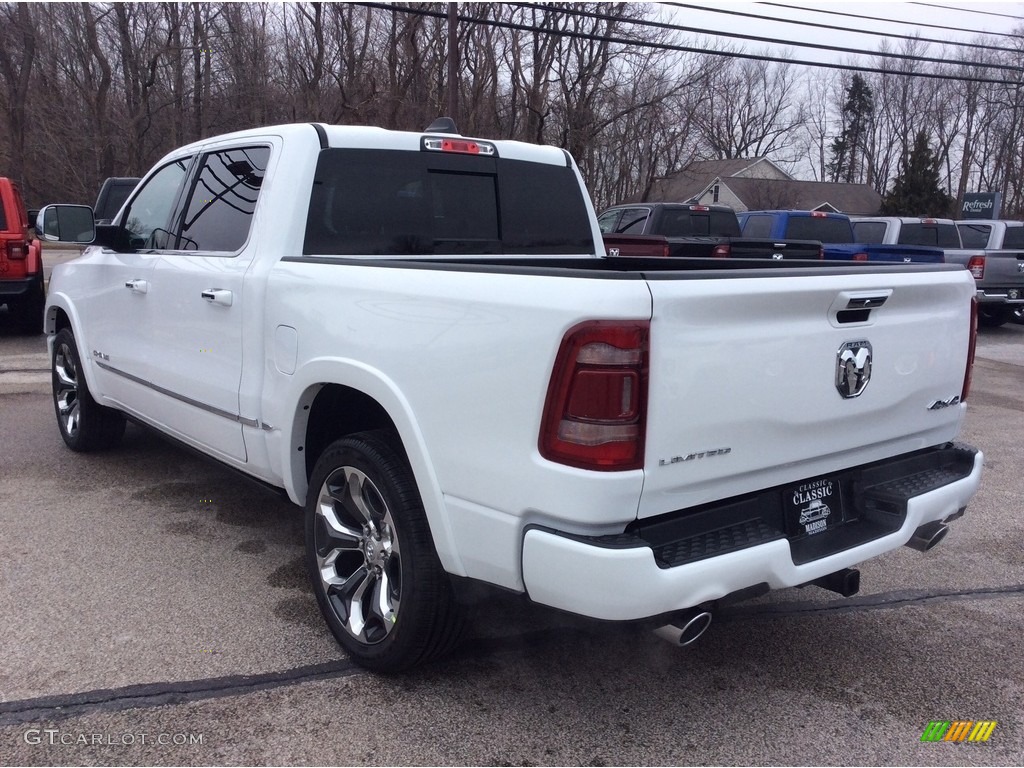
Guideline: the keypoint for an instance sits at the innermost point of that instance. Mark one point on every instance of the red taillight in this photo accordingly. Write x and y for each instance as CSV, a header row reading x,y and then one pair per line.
x,y
16,251
699,208
821,252
860,256
977,267
971,347
819,215
722,250
595,413
666,251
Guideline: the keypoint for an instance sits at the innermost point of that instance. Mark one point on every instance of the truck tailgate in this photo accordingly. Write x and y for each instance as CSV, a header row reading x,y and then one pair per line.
x,y
745,391
1005,268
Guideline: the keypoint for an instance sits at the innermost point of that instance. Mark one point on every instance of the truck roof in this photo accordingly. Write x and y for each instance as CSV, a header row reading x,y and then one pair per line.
x,y
370,137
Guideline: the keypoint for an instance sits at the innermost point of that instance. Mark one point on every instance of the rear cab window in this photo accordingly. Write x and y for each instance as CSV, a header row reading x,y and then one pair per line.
x,y
930,233
369,202
685,222
823,228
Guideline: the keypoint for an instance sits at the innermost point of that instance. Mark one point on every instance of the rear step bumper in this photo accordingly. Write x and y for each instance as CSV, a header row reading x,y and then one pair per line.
x,y
689,558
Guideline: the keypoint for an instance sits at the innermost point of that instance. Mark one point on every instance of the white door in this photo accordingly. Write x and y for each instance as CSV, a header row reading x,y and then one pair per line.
x,y
117,305
195,344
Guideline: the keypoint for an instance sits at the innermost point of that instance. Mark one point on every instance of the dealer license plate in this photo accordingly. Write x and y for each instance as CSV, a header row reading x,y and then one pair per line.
x,y
813,507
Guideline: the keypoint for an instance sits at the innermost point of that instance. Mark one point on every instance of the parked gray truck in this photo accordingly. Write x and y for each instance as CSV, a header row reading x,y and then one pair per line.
x,y
998,272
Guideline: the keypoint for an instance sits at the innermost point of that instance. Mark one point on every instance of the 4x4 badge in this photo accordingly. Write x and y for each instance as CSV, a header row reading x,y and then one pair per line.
x,y
853,368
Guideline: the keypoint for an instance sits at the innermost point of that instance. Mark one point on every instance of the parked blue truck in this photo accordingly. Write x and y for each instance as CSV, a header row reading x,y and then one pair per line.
x,y
835,231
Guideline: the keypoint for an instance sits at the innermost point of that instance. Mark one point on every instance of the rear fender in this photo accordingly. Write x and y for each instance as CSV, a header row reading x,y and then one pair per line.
x,y
306,384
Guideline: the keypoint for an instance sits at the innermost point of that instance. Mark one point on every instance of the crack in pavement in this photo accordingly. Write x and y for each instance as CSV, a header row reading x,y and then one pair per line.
x,y
149,695
62,706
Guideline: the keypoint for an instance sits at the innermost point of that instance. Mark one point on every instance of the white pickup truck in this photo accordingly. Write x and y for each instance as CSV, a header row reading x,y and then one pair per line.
x,y
418,337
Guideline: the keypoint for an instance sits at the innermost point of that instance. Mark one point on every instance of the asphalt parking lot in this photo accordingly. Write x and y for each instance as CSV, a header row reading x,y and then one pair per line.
x,y
154,610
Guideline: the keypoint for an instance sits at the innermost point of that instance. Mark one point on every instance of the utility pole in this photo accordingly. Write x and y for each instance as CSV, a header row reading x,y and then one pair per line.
x,y
453,64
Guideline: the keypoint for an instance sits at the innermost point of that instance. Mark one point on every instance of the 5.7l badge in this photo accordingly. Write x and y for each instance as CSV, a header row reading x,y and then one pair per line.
x,y
853,368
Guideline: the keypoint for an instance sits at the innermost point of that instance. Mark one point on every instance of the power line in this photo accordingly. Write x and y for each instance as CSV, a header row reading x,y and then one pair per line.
x,y
970,10
892,21
817,25
679,48
758,39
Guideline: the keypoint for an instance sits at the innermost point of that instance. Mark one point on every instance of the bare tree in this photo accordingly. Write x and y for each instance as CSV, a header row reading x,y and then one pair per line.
x,y
752,110
17,55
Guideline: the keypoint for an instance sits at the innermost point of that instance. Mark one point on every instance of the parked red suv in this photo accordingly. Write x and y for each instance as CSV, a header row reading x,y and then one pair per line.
x,y
21,263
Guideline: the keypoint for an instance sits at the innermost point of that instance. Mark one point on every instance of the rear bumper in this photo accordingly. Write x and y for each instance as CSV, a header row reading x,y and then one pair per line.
x,y
1013,295
19,289
629,577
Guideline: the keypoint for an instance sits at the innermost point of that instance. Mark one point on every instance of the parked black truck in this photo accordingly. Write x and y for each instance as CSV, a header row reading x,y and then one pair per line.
x,y
684,229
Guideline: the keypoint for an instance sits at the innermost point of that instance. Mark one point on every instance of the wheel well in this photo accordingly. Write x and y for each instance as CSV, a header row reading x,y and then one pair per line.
x,y
60,320
338,411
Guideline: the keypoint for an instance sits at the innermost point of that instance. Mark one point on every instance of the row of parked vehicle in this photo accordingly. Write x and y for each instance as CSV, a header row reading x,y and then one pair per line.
x,y
993,251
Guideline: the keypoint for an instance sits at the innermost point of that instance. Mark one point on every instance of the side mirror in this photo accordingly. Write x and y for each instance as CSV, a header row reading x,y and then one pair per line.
x,y
66,224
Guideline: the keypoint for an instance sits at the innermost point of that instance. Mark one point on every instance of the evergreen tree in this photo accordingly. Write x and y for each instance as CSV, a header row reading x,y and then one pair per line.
x,y
848,148
916,191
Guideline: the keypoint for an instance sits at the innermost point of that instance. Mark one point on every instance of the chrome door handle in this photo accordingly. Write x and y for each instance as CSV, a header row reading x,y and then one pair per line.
x,y
217,296
137,286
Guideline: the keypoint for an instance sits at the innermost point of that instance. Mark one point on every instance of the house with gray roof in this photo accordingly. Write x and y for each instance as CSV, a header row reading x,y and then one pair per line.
x,y
758,184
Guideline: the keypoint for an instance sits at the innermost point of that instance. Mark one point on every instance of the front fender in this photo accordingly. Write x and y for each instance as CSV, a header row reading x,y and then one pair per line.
x,y
57,302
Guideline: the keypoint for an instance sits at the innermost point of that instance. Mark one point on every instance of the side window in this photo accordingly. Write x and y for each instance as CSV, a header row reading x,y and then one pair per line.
x,y
148,218
1014,237
973,235
633,221
607,221
757,226
869,231
223,199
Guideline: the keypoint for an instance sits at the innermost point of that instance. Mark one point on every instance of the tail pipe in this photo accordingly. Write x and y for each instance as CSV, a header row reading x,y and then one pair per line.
x,y
686,627
846,582
928,535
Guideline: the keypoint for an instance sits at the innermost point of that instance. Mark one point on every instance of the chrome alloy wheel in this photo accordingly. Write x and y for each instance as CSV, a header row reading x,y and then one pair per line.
x,y
65,389
358,555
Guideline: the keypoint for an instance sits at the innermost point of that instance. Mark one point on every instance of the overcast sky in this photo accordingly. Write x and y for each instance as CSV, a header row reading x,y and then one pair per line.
x,y
954,22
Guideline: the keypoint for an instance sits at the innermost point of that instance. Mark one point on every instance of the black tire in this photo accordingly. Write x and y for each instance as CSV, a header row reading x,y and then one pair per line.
x,y
993,317
1018,313
84,424
371,558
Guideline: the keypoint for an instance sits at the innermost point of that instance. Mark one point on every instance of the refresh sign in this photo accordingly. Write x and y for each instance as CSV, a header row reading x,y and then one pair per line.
x,y
981,205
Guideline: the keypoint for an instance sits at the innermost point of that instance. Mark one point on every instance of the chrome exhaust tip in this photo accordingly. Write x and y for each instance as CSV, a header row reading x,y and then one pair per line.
x,y
686,628
928,535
